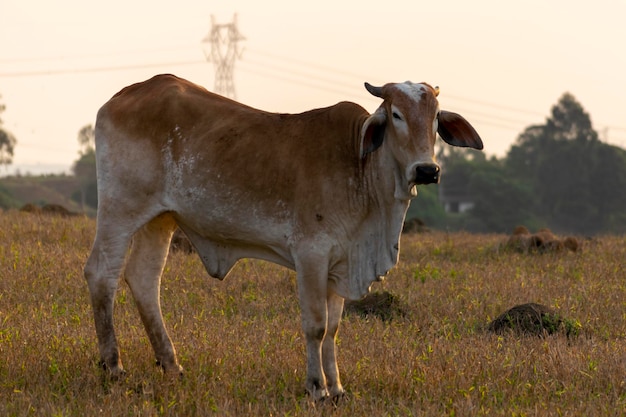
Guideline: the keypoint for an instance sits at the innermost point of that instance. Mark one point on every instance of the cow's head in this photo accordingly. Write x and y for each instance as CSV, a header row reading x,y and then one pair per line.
x,y
407,122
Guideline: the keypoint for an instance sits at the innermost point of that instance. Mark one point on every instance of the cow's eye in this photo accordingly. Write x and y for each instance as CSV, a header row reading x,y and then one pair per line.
x,y
396,116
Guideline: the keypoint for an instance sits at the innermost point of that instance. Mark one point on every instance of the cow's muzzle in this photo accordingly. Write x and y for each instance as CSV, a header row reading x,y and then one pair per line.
x,y
427,174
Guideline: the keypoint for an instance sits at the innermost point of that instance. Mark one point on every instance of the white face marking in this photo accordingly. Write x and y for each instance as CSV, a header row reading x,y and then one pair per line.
x,y
406,187
398,120
414,91
397,114
436,122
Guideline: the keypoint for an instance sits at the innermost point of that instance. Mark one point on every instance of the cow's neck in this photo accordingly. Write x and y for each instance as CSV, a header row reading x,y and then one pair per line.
x,y
375,248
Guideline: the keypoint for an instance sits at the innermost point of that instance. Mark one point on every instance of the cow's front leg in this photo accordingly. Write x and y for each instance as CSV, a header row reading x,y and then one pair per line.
x,y
329,347
312,283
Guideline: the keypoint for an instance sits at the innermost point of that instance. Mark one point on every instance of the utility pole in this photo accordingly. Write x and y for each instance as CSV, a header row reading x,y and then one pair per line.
x,y
605,135
222,49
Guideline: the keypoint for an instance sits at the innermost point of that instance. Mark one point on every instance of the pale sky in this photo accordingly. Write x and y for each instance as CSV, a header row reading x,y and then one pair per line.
x,y
500,64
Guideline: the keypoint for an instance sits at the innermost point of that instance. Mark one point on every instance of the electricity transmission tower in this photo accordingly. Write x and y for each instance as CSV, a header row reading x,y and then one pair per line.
x,y
222,49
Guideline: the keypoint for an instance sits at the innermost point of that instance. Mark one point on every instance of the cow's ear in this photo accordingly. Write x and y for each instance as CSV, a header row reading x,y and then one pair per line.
x,y
457,131
373,132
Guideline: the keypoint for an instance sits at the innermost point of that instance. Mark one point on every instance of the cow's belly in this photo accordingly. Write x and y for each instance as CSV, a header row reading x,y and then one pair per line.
x,y
222,235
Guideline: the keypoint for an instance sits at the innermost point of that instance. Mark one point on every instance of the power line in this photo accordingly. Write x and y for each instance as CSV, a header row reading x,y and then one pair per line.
x,y
496,106
319,84
307,64
312,83
614,127
132,52
63,71
306,78
44,148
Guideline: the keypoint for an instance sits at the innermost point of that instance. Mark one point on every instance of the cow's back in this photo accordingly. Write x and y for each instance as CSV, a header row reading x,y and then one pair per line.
x,y
169,111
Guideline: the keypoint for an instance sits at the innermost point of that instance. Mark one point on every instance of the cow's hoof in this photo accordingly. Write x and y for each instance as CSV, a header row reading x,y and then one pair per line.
x,y
337,397
114,373
174,370
317,395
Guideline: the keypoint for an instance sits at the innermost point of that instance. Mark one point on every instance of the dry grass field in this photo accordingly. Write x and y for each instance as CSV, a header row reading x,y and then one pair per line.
x,y
241,345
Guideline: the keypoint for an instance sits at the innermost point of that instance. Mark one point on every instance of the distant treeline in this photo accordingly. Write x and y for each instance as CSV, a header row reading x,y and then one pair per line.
x,y
557,175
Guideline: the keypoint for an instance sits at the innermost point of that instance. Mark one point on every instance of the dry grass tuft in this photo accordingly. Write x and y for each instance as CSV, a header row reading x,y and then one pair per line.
x,y
383,305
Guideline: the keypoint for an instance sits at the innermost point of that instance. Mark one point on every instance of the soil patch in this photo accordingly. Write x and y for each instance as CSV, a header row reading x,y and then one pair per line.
x,y
534,319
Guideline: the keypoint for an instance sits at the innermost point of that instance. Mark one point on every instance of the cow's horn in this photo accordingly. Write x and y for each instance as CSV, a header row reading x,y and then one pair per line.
x,y
375,91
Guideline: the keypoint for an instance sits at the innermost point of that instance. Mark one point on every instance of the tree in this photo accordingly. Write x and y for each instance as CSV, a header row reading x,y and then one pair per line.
x,y
501,201
570,122
85,168
87,140
7,143
606,188
569,171
426,207
557,174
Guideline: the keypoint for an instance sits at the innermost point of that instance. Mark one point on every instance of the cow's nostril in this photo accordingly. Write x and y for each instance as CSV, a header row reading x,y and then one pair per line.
x,y
427,174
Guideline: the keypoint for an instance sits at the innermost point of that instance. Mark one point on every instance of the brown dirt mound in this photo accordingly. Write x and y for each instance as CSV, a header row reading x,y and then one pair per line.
x,y
383,305
53,209
58,210
30,208
544,241
534,319
414,225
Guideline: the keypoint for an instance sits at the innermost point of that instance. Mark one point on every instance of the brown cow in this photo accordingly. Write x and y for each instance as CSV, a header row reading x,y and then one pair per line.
x,y
324,192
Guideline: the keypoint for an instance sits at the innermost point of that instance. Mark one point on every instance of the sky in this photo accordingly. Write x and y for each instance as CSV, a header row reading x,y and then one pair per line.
x,y
502,65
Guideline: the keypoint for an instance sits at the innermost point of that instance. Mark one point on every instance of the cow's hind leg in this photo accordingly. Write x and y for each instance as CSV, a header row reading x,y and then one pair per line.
x,y
102,272
143,274
329,358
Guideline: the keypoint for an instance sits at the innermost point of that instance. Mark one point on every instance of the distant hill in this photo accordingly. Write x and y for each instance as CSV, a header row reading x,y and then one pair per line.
x,y
39,190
